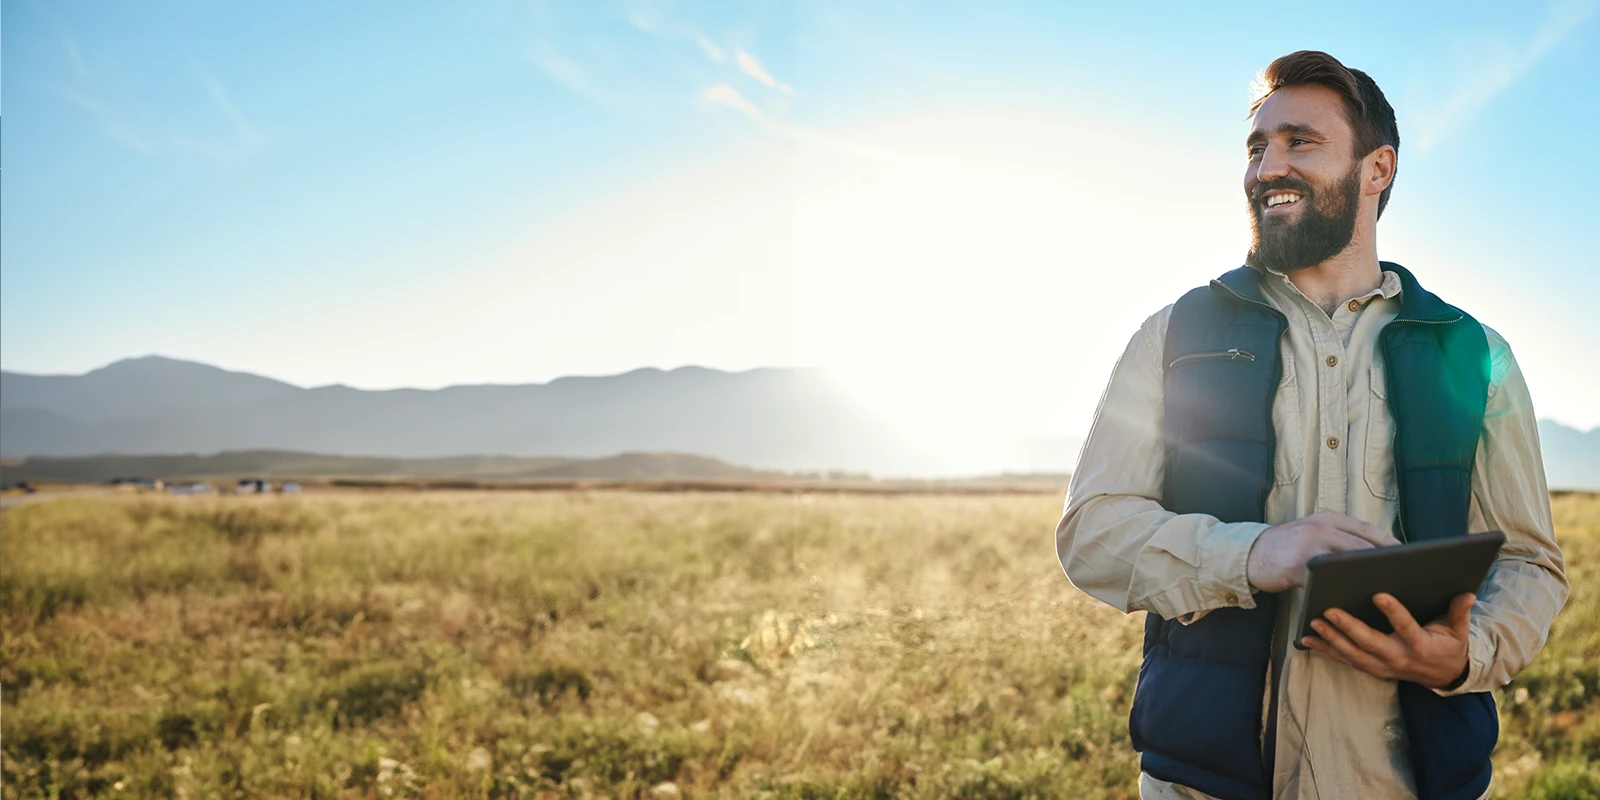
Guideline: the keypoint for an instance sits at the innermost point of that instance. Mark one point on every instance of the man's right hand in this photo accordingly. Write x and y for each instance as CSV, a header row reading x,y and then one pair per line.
x,y
1279,555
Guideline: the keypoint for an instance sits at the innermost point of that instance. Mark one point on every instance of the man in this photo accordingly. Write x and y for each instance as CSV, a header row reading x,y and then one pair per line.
x,y
1315,401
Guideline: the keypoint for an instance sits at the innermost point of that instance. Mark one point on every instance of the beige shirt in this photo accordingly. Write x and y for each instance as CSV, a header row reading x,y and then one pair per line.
x,y
1340,733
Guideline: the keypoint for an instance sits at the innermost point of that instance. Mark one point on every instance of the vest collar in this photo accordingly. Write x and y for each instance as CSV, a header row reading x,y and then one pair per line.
x,y
1416,303
1244,282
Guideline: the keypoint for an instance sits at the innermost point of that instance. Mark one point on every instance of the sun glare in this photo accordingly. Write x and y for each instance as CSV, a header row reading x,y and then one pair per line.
x,y
990,268
966,275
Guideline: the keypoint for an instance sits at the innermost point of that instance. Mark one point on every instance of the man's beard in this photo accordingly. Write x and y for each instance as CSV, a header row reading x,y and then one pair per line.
x,y
1325,227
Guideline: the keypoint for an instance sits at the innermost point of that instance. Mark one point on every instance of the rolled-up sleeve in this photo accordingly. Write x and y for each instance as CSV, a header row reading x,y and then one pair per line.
x,y
1114,540
1527,585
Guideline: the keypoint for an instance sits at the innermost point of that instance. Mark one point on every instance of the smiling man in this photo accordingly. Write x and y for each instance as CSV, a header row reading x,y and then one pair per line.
x,y
1316,400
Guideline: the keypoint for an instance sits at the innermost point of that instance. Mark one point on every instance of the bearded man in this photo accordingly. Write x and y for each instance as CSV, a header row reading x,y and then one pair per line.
x,y
1316,400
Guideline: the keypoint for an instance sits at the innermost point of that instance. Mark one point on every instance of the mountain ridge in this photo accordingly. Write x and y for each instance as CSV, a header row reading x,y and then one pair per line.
x,y
767,418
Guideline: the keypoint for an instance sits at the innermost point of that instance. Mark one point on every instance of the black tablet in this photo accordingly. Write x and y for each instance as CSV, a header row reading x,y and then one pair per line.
x,y
1423,576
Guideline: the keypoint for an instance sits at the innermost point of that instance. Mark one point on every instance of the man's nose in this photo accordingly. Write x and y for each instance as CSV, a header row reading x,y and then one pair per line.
x,y
1273,164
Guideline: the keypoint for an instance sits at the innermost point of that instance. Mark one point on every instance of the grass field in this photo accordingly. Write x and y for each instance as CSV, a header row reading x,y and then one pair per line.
x,y
617,644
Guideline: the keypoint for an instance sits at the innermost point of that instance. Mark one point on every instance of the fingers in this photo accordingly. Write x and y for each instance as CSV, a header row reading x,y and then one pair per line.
x,y
1321,645
1403,656
1366,530
1400,617
1346,650
1340,541
1362,636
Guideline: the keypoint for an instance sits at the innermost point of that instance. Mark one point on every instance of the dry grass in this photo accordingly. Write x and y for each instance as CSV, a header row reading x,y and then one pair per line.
x,y
607,643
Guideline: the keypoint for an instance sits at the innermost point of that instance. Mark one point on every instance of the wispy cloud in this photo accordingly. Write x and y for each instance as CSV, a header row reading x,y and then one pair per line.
x,y
247,140
572,75
724,95
79,66
566,72
650,26
752,66
249,137
111,123
643,23
708,47
1494,75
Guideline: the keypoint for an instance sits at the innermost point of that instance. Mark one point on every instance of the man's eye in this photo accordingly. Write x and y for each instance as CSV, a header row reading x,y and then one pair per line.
x,y
1298,140
1256,151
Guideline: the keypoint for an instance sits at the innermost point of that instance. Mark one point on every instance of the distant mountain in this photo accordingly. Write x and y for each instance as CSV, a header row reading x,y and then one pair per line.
x,y
138,388
280,464
771,419
1571,457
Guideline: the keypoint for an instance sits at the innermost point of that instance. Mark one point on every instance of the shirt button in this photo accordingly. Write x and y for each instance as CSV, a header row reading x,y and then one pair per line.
x,y
1233,600
1333,361
1354,306
1333,442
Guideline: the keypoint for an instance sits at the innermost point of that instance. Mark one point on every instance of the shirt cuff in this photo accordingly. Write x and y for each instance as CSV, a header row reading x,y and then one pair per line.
x,y
1480,650
1224,555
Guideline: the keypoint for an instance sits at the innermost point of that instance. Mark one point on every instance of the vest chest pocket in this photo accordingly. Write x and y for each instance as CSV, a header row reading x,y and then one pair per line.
x,y
1289,458
1380,438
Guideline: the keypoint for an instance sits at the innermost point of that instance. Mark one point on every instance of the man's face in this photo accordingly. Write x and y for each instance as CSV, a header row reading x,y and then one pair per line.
x,y
1303,182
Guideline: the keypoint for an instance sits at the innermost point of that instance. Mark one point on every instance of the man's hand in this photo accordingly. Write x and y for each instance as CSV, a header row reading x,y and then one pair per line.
x,y
1434,656
1279,555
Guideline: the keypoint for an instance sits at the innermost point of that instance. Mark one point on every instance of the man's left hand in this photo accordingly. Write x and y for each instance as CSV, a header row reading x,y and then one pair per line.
x,y
1433,656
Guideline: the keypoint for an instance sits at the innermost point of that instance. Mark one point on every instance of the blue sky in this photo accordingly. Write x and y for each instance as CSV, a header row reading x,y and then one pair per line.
x,y
960,207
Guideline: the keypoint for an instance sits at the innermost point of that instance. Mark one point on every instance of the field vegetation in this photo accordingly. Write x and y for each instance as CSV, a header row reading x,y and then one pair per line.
x,y
616,644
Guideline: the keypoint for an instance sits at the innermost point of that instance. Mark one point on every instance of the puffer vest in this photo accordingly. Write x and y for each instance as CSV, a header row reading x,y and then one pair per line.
x,y
1197,710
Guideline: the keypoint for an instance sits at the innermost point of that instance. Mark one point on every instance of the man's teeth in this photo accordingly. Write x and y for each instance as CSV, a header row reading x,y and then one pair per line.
x,y
1280,199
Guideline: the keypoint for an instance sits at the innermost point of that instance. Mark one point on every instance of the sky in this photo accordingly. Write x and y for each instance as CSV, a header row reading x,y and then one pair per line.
x,y
962,209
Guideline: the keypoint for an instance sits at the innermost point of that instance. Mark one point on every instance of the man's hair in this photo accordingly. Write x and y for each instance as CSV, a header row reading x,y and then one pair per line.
x,y
1369,114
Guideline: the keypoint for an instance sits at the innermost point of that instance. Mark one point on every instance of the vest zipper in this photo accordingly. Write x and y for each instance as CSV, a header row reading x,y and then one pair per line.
x,y
1231,354
1394,464
1394,436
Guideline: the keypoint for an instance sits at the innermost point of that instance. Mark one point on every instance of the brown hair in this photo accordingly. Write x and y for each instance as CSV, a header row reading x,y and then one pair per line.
x,y
1365,107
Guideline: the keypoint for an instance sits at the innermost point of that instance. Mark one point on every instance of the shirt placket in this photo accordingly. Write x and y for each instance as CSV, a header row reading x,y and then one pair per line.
x,y
1333,414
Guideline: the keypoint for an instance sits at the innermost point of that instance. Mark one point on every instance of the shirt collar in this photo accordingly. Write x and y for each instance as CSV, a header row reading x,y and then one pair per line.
x,y
1389,286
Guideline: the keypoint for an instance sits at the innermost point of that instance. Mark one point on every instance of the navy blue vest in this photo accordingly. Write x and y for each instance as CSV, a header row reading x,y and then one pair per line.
x,y
1197,710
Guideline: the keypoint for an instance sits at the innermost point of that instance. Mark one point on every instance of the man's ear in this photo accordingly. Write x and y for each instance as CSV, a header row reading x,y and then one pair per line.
x,y
1380,170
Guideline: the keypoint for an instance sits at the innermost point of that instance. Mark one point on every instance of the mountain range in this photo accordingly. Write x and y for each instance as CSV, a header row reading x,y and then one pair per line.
x,y
766,419
769,419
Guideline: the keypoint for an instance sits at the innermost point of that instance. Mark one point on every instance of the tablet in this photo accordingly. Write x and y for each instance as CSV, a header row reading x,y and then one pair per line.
x,y
1423,576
